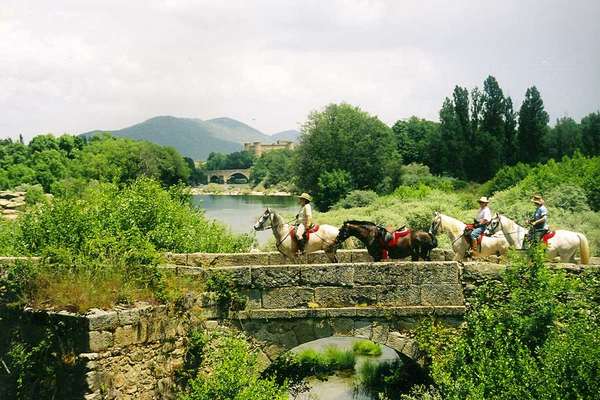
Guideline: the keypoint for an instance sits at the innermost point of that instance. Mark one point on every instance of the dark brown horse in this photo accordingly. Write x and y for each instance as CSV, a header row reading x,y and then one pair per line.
x,y
383,244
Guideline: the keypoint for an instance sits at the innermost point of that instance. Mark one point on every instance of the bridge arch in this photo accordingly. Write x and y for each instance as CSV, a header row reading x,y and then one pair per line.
x,y
238,176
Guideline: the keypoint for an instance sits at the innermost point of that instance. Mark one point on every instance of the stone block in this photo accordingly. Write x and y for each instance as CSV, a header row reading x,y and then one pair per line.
x,y
323,328
342,326
344,256
304,331
100,341
361,256
328,275
345,297
129,317
275,276
442,295
397,341
318,257
100,320
253,297
437,272
384,274
407,295
176,258
379,332
287,297
240,275
276,258
125,336
363,329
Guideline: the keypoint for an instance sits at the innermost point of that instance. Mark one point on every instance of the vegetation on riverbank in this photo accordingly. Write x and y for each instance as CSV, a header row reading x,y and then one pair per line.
x,y
101,245
532,335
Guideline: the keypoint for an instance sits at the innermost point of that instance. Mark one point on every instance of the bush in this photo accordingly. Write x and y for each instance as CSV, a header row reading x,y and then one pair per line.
x,y
506,177
228,370
568,197
332,186
366,348
533,335
357,198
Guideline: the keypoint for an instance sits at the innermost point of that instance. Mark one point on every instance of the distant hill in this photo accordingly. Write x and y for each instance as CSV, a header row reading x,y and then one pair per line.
x,y
196,138
291,135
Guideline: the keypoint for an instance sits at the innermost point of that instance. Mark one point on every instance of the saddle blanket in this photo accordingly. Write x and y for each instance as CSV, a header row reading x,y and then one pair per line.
x,y
548,236
314,228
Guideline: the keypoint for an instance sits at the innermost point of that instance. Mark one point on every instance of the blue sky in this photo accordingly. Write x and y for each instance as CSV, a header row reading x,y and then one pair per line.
x,y
69,66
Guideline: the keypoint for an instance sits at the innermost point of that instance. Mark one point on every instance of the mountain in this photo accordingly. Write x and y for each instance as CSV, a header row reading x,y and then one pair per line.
x,y
291,135
236,131
194,137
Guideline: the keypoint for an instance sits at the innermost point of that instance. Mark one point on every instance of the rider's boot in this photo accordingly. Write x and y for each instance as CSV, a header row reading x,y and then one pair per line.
x,y
473,247
301,245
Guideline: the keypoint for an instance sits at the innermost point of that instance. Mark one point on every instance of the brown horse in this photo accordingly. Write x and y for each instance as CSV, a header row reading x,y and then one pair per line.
x,y
383,244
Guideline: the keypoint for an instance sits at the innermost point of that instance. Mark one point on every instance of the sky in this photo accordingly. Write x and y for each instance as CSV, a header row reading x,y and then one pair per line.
x,y
71,66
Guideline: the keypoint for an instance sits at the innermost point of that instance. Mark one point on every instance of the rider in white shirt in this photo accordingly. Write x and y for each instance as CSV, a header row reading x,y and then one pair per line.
x,y
483,218
303,220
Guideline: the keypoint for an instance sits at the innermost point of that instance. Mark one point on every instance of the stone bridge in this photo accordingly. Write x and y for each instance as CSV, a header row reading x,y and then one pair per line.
x,y
135,352
224,175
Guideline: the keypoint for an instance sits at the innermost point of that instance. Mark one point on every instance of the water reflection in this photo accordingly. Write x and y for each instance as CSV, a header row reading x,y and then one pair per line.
x,y
241,212
340,386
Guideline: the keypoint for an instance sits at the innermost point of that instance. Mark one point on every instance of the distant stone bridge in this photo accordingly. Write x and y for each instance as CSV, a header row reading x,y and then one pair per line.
x,y
224,175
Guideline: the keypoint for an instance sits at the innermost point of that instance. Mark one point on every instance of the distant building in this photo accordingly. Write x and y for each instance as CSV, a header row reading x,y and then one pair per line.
x,y
259,148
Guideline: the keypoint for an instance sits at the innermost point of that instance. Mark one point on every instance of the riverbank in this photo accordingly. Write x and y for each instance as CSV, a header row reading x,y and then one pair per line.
x,y
235,190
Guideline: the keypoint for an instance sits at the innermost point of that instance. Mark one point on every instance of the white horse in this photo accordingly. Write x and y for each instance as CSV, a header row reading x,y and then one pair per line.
x,y
323,239
563,244
490,245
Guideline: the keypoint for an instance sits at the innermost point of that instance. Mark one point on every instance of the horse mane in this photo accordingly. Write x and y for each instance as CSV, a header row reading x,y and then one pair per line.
x,y
357,222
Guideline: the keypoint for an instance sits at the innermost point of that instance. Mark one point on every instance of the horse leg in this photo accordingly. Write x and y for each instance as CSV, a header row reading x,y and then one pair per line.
x,y
331,255
414,251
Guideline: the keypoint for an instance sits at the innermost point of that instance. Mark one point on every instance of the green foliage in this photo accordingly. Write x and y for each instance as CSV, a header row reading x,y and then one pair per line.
x,y
568,197
238,159
272,168
228,370
390,378
414,138
114,235
506,177
533,335
332,186
226,292
533,126
357,198
366,348
48,160
345,138
590,134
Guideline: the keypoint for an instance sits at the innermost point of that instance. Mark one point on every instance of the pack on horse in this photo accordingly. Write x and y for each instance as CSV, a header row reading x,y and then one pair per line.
x,y
383,244
560,243
319,237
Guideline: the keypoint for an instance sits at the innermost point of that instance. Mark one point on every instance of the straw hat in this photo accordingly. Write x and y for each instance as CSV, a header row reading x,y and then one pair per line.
x,y
483,199
537,199
306,197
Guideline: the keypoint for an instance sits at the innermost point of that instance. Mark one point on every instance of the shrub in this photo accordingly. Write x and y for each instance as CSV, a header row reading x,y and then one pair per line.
x,y
568,197
228,369
533,335
366,348
226,292
357,198
332,186
506,177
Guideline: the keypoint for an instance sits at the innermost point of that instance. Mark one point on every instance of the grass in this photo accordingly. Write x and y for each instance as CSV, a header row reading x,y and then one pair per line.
x,y
331,360
366,348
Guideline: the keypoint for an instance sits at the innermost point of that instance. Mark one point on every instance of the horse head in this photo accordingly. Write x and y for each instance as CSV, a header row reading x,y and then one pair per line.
x,y
494,225
435,223
363,230
261,224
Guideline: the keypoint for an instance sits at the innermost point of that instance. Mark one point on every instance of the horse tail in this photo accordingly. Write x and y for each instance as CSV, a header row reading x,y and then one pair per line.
x,y
584,249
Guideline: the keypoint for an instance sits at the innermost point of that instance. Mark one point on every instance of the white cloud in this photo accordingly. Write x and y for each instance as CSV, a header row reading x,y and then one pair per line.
x,y
72,66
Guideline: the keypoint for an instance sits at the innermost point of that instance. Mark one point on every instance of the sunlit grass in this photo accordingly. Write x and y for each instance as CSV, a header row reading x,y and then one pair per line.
x,y
366,348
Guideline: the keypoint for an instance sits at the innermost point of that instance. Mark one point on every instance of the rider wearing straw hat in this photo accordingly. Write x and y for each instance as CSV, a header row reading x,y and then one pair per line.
x,y
303,220
539,221
483,218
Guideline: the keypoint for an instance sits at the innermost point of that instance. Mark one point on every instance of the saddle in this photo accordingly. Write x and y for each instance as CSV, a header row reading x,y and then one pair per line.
x,y
549,235
390,238
312,229
467,232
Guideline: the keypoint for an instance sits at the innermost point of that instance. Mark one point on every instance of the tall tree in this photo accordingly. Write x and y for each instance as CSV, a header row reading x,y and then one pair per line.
x,y
510,133
562,140
476,108
533,126
345,139
493,108
451,147
590,132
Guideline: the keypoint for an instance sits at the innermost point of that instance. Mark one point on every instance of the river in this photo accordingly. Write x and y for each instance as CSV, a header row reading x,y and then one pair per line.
x,y
241,212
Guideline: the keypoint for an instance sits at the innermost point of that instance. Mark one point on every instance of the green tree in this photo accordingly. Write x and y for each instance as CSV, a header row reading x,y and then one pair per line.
x,y
343,137
414,137
533,126
333,185
273,167
510,133
563,140
590,132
